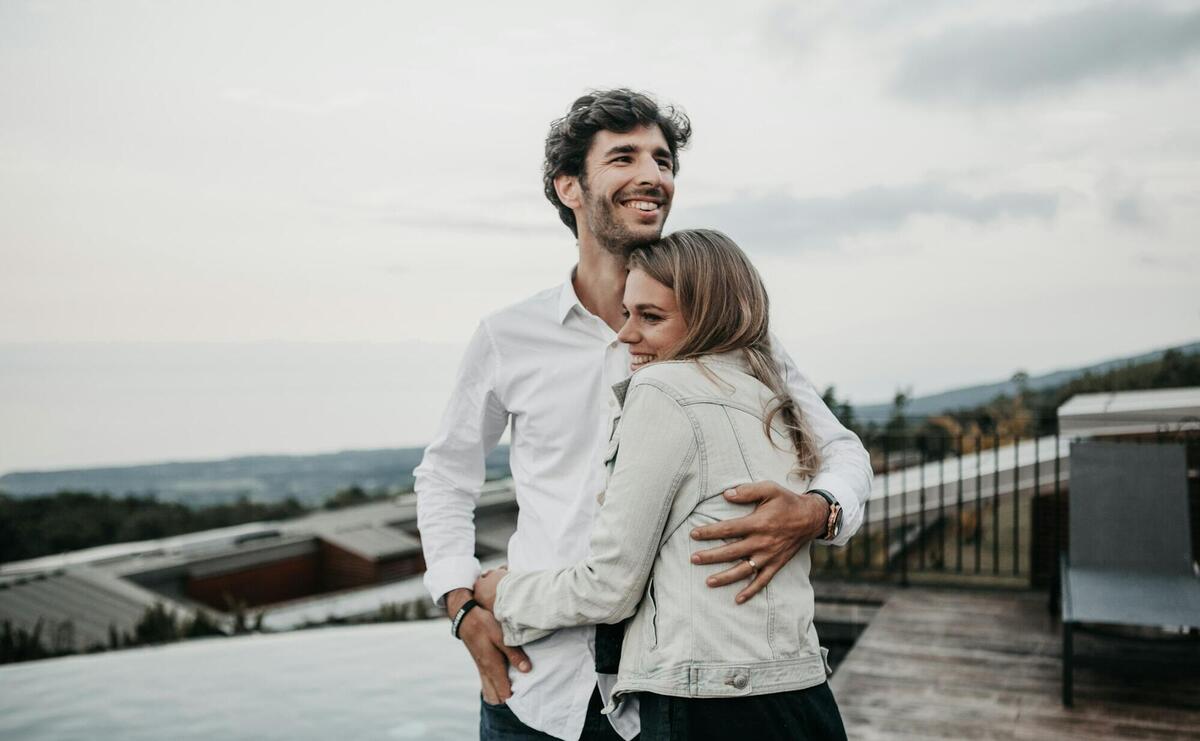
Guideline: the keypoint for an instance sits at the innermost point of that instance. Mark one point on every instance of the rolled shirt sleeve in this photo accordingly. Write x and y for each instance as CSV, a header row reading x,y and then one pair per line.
x,y
452,471
845,470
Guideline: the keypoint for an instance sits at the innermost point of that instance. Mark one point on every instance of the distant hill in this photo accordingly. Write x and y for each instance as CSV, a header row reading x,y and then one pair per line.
x,y
311,479
972,396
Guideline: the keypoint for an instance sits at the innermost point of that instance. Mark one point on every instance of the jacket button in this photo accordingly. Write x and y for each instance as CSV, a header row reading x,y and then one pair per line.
x,y
740,681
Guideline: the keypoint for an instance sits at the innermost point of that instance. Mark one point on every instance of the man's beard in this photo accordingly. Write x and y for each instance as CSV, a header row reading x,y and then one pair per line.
x,y
612,234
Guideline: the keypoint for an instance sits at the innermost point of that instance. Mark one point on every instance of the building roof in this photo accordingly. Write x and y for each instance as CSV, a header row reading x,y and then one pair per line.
x,y
218,539
1130,413
352,603
80,594
341,526
77,606
373,541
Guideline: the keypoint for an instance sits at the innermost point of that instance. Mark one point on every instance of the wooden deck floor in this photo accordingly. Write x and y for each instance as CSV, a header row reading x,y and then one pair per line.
x,y
956,664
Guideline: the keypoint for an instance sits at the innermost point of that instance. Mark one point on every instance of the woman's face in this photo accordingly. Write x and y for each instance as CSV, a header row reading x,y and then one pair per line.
x,y
653,322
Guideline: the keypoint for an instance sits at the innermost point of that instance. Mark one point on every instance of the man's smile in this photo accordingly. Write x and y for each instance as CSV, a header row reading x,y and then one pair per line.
x,y
641,204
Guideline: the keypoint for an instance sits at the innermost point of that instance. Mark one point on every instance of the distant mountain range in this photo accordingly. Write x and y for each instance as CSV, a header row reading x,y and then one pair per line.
x,y
311,479
972,396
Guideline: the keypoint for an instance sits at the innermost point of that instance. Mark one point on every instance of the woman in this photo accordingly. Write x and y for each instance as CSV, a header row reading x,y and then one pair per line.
x,y
704,411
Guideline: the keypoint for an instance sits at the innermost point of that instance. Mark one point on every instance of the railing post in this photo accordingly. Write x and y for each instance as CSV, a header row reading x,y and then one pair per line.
x,y
996,503
978,502
1016,505
942,497
959,510
1037,491
1058,524
887,505
903,519
921,517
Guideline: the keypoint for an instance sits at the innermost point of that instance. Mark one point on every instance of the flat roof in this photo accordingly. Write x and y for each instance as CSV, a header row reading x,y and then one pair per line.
x,y
373,541
88,599
1130,412
360,529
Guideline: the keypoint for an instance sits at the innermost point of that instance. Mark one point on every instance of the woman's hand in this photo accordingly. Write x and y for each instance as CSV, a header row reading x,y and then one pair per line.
x,y
485,586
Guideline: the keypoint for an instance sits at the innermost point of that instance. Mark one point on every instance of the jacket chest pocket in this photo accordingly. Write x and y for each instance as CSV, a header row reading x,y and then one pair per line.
x,y
610,453
614,442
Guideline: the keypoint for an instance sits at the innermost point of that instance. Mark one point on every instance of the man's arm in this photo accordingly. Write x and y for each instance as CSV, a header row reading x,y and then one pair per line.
x,y
786,521
448,482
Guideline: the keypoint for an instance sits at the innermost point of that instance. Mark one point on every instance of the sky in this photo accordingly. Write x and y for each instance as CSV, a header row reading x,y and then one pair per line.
x,y
937,193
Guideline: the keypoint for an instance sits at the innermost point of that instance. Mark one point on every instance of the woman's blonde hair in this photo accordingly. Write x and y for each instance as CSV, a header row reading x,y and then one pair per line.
x,y
724,303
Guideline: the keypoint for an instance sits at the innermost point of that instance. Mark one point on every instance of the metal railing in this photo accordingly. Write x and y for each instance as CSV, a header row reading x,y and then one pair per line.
x,y
964,509
954,508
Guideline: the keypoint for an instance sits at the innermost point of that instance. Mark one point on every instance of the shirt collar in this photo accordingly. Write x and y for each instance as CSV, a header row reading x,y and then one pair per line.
x,y
567,298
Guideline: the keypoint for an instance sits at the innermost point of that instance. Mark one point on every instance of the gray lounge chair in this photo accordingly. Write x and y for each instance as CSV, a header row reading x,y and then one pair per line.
x,y
1130,560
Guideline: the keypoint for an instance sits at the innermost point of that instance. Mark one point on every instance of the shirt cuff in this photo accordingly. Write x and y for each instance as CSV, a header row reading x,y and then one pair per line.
x,y
450,574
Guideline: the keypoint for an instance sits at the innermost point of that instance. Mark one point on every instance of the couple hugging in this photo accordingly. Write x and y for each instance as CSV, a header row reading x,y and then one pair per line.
x,y
652,413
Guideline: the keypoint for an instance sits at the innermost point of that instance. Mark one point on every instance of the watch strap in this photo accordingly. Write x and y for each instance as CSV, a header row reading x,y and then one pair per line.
x,y
834,524
458,616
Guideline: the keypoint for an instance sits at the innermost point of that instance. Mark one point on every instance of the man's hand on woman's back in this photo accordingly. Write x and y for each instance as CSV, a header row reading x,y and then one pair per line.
x,y
781,524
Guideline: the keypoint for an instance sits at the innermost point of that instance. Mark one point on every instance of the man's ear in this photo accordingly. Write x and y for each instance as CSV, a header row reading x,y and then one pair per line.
x,y
567,187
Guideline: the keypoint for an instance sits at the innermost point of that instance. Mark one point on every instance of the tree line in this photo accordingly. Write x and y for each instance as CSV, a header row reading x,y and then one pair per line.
x,y
1024,414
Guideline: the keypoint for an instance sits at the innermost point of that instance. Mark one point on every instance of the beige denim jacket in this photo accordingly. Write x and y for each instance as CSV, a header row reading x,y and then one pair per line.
x,y
685,432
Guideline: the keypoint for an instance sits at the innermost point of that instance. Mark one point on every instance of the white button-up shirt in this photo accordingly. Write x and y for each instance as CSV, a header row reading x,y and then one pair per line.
x,y
547,366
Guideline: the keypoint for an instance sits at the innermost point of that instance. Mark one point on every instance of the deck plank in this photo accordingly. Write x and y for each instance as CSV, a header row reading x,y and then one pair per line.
x,y
957,664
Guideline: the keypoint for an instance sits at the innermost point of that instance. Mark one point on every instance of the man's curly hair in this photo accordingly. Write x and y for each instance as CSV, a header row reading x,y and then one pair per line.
x,y
618,111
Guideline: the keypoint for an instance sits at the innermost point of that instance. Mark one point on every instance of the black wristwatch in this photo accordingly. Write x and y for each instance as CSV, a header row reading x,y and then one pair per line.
x,y
834,526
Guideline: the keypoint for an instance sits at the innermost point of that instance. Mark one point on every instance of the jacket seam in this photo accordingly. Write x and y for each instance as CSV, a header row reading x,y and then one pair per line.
x,y
676,479
702,477
767,588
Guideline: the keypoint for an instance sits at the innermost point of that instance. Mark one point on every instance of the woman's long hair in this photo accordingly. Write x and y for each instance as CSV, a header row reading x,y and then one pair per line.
x,y
725,306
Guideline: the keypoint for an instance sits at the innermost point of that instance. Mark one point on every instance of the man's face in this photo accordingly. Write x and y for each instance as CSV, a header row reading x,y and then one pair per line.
x,y
626,188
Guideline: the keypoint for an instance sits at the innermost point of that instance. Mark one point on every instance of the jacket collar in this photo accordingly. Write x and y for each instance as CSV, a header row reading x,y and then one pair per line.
x,y
735,358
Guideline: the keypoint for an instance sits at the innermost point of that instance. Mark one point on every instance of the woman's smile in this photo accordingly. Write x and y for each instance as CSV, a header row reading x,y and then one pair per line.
x,y
639,360
654,325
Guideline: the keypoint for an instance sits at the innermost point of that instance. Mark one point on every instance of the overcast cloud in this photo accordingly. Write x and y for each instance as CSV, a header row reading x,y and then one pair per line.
x,y
779,222
938,193
998,61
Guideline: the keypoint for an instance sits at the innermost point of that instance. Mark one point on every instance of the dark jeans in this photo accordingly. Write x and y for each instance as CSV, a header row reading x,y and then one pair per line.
x,y
810,714
498,723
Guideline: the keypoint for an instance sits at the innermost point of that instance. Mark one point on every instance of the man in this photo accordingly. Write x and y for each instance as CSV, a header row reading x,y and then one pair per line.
x,y
546,365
